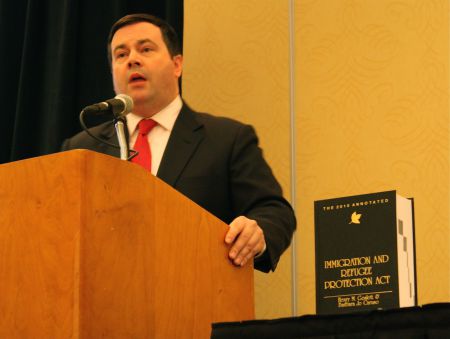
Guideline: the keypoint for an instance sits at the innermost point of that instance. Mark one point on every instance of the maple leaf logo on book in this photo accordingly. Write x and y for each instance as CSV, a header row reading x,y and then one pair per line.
x,y
355,218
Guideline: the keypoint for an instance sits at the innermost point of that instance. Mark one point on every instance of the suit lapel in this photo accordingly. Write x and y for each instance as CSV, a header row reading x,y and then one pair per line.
x,y
186,135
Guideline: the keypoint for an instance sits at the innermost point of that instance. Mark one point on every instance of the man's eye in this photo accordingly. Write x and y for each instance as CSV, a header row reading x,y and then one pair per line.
x,y
120,55
146,49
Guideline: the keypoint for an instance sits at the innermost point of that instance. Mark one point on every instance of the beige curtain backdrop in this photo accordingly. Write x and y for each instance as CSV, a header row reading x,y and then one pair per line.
x,y
371,110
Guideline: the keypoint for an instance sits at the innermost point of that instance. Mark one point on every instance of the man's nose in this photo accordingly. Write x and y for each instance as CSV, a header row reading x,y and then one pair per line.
x,y
134,60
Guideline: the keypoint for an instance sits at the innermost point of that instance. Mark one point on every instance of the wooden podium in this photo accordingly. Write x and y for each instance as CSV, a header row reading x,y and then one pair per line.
x,y
95,247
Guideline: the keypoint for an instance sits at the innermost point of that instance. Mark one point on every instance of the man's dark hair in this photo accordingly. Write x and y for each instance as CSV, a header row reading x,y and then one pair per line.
x,y
169,35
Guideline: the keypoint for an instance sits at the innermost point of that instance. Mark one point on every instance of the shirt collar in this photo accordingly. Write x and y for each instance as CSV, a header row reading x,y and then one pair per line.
x,y
165,118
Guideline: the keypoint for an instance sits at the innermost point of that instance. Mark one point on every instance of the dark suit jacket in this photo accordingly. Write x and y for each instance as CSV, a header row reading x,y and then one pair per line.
x,y
217,163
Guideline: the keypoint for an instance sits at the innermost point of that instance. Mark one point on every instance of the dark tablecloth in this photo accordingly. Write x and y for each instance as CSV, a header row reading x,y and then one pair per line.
x,y
429,321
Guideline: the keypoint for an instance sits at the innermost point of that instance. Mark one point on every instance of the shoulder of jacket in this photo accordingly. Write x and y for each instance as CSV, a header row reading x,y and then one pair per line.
x,y
219,121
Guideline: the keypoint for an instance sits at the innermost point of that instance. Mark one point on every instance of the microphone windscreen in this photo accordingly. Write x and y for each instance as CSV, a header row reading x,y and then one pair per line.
x,y
128,103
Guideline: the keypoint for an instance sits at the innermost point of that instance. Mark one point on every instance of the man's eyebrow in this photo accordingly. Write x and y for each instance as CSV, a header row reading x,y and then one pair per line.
x,y
139,43
143,41
119,47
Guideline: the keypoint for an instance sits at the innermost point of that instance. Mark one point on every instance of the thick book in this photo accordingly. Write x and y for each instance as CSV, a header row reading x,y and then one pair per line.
x,y
365,253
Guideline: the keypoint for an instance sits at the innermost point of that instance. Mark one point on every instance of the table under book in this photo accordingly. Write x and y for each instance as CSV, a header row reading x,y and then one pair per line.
x,y
428,321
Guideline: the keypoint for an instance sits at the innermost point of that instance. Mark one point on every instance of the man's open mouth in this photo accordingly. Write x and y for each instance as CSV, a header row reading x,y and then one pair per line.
x,y
135,77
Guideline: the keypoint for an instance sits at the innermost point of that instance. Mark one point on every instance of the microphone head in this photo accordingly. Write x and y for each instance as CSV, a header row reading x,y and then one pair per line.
x,y
125,107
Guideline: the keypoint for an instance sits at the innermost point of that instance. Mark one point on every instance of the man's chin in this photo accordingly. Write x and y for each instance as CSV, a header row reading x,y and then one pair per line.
x,y
139,98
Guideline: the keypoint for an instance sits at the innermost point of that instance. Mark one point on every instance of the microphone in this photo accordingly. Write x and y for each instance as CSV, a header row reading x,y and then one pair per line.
x,y
119,106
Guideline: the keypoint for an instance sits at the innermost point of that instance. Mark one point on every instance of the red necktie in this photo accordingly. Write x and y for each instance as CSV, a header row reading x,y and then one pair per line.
x,y
144,158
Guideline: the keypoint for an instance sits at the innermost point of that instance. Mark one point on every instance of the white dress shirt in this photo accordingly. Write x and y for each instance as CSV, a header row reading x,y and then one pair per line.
x,y
159,135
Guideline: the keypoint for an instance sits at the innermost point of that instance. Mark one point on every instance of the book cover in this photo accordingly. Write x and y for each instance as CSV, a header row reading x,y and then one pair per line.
x,y
364,253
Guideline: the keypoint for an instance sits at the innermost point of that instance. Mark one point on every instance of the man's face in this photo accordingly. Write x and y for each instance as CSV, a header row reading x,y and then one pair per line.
x,y
143,68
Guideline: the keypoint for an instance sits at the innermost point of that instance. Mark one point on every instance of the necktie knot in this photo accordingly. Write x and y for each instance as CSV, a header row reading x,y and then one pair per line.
x,y
146,125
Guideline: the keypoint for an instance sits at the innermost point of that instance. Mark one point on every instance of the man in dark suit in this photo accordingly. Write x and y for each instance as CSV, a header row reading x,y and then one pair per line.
x,y
214,161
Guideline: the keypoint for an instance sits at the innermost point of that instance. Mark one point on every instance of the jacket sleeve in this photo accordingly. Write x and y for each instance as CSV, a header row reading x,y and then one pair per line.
x,y
257,195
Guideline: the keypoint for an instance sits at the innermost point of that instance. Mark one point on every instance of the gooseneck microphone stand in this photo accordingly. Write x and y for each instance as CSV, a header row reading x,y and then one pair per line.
x,y
123,144
119,124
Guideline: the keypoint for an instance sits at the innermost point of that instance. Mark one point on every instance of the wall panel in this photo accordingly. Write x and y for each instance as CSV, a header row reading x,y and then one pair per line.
x,y
236,65
373,114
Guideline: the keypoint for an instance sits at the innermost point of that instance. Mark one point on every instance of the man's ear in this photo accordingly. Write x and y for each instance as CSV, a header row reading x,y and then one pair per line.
x,y
178,65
